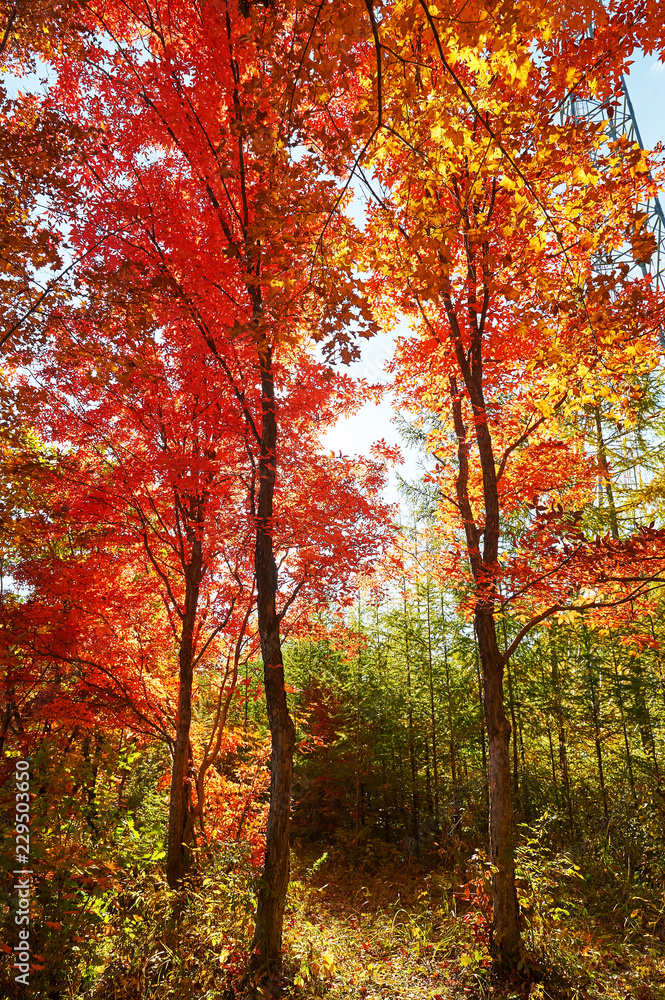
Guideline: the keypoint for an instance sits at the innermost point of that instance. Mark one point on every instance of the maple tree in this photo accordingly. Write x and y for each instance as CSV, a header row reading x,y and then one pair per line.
x,y
179,495
495,221
198,231
196,159
187,185
149,455
38,273
147,478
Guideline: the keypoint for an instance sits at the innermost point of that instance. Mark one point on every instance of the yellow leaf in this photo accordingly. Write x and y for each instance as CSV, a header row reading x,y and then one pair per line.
x,y
523,73
544,407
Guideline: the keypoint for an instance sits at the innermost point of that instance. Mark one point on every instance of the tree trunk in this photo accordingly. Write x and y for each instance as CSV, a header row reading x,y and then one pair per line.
x,y
516,777
435,766
595,710
483,723
644,717
659,662
386,804
563,752
267,945
555,784
525,800
358,731
516,780
626,742
177,858
415,806
92,813
451,731
605,473
505,943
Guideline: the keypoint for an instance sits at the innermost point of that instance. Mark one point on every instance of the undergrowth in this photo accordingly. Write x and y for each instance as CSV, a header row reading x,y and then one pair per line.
x,y
369,922
365,922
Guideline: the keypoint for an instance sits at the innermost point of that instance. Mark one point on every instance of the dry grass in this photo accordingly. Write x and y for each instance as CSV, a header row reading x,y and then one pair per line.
x,y
379,926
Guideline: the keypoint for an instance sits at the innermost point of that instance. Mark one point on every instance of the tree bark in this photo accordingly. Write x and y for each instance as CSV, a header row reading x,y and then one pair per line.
x,y
470,421
622,714
415,805
177,858
563,752
505,943
516,777
644,717
267,945
483,724
555,783
595,710
453,753
435,766
358,664
605,474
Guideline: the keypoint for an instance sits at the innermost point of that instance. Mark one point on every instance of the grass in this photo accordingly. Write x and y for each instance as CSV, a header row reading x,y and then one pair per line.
x,y
366,922
371,924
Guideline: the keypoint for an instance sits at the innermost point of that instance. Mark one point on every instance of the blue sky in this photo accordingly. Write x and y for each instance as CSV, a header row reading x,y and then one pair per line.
x,y
646,86
355,435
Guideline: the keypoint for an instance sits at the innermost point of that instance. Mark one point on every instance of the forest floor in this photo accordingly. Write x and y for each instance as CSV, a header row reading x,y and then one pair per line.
x,y
383,927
